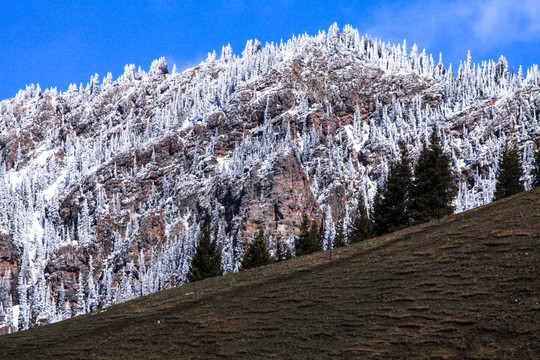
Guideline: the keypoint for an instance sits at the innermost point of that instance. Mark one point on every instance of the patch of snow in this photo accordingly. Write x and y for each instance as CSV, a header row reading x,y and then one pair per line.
x,y
355,140
223,163
42,158
300,142
54,187
358,139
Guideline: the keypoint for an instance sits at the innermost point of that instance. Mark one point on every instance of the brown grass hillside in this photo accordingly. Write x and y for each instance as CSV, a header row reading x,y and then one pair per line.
x,y
465,287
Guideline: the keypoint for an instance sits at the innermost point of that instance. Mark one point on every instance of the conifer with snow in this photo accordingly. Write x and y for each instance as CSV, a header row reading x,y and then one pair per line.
x,y
81,306
329,230
535,172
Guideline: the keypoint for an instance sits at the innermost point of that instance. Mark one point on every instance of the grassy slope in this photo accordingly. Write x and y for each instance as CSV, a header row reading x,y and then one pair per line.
x,y
451,289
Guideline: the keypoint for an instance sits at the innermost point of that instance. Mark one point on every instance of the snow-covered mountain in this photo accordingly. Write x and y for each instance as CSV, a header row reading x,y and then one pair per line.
x,y
103,188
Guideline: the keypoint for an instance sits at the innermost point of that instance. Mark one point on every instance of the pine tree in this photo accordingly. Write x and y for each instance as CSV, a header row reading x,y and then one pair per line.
x,y
339,239
361,226
81,306
315,237
206,261
61,300
257,253
509,173
308,241
24,309
393,209
282,251
433,186
377,213
92,300
329,230
535,172
2,313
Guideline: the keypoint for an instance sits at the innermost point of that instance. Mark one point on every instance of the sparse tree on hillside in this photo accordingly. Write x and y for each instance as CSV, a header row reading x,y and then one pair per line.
x,y
509,173
308,241
329,229
393,208
257,253
339,239
361,226
377,211
433,186
282,251
206,261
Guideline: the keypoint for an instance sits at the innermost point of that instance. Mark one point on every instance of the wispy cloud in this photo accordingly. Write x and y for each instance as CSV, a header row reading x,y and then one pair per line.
x,y
500,20
459,25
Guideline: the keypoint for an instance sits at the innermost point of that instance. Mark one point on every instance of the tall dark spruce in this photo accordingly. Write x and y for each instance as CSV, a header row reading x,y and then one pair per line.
x,y
433,187
340,238
362,226
257,253
391,210
206,262
510,172
309,239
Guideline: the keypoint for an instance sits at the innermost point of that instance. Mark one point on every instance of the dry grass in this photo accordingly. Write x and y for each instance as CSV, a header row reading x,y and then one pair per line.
x,y
465,288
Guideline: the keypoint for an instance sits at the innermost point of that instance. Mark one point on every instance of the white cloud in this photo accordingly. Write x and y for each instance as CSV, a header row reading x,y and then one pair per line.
x,y
482,26
501,20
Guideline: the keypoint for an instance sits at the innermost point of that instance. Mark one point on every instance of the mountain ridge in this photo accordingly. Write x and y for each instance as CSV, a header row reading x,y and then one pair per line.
x,y
120,174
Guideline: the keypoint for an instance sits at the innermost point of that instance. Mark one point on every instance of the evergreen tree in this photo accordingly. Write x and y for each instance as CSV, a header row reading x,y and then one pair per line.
x,y
392,206
61,300
308,241
282,251
315,236
329,230
2,313
535,172
92,299
257,253
433,186
81,306
206,261
24,308
361,226
377,213
339,239
509,173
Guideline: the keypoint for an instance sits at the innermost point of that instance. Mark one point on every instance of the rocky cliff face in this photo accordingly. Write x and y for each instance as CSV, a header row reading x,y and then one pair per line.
x,y
103,188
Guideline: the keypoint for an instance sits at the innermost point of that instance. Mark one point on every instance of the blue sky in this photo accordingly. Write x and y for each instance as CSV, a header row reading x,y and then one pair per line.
x,y
55,43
